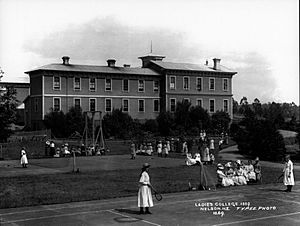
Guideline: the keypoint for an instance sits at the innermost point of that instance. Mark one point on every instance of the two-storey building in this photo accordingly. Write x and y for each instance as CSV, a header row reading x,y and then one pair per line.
x,y
141,92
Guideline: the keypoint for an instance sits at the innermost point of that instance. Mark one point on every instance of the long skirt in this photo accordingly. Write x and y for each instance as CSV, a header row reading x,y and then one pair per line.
x,y
145,197
24,160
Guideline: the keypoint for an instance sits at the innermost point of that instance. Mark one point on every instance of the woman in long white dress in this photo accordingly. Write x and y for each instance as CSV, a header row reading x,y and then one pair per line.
x,y
24,160
144,194
288,174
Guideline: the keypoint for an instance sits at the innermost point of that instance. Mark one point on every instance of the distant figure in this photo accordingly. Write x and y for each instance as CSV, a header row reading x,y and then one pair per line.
x,y
159,149
132,151
52,148
288,174
220,144
144,194
206,156
212,144
24,160
185,147
257,169
165,150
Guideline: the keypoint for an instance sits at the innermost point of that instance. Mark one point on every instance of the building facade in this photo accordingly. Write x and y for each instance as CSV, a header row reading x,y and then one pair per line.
x,y
141,92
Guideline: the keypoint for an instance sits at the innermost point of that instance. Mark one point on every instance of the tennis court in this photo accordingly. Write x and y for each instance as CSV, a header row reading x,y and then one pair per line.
x,y
244,205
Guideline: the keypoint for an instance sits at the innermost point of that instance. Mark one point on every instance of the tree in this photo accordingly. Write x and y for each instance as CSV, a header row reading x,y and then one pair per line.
x,y
165,123
8,109
182,114
220,121
118,124
257,107
75,121
56,121
199,118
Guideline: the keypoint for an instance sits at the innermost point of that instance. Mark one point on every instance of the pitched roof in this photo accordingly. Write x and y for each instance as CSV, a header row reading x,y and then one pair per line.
x,y
96,69
191,67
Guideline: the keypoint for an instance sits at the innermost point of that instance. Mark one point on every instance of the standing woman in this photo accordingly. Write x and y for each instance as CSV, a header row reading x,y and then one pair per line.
x,y
288,175
24,160
144,194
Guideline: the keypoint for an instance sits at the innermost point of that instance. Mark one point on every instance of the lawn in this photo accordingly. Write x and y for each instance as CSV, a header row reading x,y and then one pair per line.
x,y
92,185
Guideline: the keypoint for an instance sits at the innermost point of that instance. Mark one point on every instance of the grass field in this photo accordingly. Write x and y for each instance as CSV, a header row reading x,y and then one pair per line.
x,y
102,184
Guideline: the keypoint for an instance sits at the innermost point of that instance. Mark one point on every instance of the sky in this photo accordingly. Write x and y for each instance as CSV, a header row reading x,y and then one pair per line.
x,y
259,39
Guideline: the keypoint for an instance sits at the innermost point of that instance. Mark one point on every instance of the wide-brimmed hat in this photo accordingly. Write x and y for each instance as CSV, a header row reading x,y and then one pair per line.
x,y
146,165
228,164
220,166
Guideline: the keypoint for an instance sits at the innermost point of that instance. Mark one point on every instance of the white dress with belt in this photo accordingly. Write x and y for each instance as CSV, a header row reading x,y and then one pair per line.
x,y
144,194
288,170
24,159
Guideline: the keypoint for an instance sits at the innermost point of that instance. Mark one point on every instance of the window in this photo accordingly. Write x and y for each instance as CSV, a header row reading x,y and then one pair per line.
x,y
108,84
56,83
77,84
155,86
141,105
125,106
93,104
77,103
125,85
92,84
199,102
211,105
172,104
172,82
211,84
156,105
199,84
36,104
108,105
186,83
141,86
186,100
225,84
56,104
225,105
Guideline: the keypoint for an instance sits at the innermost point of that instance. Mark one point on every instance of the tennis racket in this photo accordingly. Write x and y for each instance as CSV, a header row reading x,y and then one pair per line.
x,y
279,178
157,195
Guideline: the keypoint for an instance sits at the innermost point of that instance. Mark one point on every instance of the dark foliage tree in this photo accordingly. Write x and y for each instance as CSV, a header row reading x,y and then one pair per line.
x,y
220,121
8,105
235,106
56,121
118,124
274,114
257,108
151,125
199,118
182,115
260,138
165,122
75,121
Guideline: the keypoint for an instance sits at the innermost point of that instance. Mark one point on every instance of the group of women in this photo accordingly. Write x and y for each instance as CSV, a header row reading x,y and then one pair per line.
x,y
238,173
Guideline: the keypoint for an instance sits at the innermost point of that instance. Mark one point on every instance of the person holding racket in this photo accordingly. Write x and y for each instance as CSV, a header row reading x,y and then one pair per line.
x,y
144,194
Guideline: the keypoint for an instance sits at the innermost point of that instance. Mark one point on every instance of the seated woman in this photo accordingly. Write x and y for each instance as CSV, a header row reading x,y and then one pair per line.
x,y
250,171
197,157
230,174
257,169
222,179
239,173
189,161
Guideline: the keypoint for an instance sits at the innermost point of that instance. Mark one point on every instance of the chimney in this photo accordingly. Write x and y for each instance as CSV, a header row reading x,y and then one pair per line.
x,y
111,62
65,60
126,65
216,63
